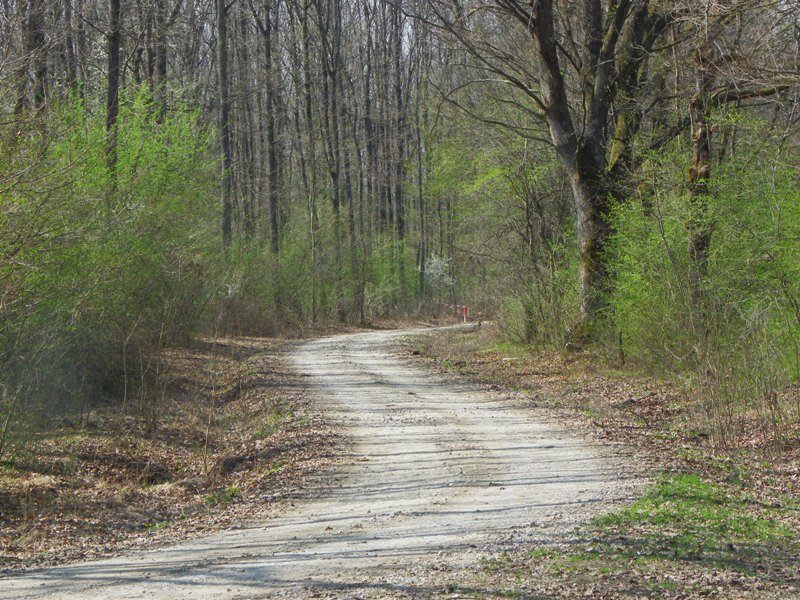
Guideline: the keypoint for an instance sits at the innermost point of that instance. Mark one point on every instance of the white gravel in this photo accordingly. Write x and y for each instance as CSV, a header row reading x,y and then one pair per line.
x,y
440,473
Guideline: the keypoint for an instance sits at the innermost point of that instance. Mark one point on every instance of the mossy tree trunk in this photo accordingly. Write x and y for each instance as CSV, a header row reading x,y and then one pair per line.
x,y
587,87
618,52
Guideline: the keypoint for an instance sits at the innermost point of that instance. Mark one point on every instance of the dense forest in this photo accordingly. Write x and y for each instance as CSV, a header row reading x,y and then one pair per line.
x,y
620,175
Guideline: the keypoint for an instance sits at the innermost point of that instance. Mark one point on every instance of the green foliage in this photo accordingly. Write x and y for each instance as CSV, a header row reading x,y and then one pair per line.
x,y
389,287
684,534
245,300
511,219
756,203
275,467
265,293
686,518
651,303
229,495
101,270
753,279
272,424
735,336
543,304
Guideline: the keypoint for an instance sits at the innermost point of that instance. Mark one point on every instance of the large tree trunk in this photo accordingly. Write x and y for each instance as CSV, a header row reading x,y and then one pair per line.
x,y
592,210
617,52
585,163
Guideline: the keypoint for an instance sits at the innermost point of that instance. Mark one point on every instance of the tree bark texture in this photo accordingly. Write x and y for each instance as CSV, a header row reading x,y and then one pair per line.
x,y
224,121
699,225
113,87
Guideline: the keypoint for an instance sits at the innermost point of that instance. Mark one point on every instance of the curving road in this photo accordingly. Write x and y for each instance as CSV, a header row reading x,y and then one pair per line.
x,y
439,473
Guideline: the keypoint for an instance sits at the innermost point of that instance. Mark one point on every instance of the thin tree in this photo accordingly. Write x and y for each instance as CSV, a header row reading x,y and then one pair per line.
x,y
224,120
270,34
113,87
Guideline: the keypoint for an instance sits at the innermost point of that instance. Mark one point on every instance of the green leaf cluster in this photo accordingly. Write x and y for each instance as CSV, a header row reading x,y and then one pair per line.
x,y
100,268
745,310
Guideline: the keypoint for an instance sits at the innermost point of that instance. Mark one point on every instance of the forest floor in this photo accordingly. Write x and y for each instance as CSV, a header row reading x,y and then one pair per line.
x,y
722,517
230,438
243,436
433,475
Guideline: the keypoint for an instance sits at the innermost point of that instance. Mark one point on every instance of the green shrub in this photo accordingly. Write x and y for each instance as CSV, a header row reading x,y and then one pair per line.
x,y
103,276
735,339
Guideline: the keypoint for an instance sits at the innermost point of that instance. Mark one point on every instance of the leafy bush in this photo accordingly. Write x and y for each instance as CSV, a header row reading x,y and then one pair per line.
x,y
100,270
736,338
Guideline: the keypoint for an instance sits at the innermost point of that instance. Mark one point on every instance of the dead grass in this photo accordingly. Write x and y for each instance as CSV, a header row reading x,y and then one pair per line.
x,y
659,421
234,436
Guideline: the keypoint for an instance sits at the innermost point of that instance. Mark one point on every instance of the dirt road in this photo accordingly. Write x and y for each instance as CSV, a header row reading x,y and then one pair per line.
x,y
439,474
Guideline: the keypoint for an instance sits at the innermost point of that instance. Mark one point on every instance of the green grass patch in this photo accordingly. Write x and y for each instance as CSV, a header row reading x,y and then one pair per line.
x,y
276,466
228,495
680,535
272,424
8,466
686,518
156,525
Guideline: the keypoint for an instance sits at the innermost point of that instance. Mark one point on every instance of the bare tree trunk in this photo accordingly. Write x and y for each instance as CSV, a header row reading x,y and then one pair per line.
x,y
369,127
70,52
224,120
81,46
272,149
398,144
330,28
161,27
312,161
363,241
699,226
422,249
112,98
245,129
345,129
32,74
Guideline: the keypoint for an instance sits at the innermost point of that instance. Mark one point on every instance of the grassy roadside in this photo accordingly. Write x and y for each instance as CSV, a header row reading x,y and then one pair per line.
x,y
231,434
719,522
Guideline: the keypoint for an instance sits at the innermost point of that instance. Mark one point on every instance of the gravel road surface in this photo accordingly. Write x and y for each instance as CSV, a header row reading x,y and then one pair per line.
x,y
440,473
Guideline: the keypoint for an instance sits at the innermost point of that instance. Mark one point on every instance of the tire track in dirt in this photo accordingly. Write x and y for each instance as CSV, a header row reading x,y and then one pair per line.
x,y
439,473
